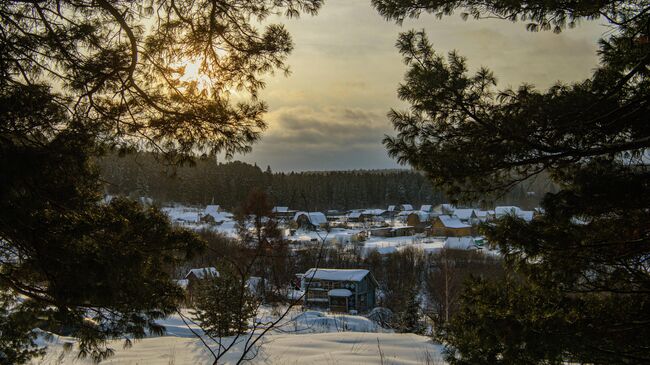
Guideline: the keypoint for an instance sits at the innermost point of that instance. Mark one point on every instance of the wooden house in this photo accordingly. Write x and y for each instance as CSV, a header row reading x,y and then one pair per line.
x,y
340,290
194,276
449,226
419,220
310,220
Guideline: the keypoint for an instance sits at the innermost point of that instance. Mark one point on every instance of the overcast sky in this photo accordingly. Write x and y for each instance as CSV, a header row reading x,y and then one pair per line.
x,y
330,113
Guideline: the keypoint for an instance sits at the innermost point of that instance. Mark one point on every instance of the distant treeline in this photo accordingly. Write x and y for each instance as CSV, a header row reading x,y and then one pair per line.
x,y
228,184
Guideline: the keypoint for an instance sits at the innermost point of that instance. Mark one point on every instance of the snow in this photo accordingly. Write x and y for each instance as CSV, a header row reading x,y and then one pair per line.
x,y
339,293
407,207
315,218
182,214
335,274
464,214
425,208
312,338
374,211
280,209
452,222
460,243
506,210
202,272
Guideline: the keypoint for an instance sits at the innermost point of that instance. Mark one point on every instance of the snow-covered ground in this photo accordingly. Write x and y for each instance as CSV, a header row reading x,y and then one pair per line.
x,y
305,338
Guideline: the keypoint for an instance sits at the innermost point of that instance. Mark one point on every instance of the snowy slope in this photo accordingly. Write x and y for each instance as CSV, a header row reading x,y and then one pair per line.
x,y
309,338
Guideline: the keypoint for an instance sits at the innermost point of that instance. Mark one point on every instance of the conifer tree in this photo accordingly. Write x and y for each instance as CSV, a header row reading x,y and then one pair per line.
x,y
223,304
578,277
78,78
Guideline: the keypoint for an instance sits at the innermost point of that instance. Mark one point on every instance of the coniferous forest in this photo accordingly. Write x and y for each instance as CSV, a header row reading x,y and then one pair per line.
x,y
228,184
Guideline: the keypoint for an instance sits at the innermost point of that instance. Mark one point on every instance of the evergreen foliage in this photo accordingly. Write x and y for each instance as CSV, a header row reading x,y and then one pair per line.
x,y
228,184
78,78
410,319
223,304
578,277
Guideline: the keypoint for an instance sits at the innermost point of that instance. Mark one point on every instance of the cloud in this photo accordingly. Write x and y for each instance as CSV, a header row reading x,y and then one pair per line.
x,y
329,138
330,127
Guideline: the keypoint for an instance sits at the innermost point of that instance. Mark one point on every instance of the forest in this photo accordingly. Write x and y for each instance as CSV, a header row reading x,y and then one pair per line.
x,y
229,183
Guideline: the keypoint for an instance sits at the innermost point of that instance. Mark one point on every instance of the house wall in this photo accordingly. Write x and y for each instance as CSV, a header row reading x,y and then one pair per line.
x,y
361,300
439,229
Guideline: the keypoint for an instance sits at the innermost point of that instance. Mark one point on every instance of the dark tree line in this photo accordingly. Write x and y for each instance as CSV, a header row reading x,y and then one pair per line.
x,y
229,184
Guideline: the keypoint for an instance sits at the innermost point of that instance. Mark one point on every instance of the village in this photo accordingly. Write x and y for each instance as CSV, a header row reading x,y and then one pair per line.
x,y
429,229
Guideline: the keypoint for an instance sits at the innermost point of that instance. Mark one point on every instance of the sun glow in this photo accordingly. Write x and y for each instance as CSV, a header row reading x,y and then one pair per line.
x,y
190,72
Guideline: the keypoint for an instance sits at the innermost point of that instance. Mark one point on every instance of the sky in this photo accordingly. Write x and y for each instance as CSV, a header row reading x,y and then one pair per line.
x,y
330,113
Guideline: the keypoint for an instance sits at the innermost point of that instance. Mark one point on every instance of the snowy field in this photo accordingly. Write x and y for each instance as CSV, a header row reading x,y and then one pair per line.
x,y
306,338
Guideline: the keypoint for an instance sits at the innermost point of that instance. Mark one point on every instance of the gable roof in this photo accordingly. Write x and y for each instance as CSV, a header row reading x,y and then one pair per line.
x,y
315,218
391,208
505,210
452,222
465,214
336,274
425,207
280,209
460,243
407,207
203,272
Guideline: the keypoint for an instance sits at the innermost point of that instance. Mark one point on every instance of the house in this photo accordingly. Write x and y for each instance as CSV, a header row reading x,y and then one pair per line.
x,y
406,207
444,209
340,290
450,226
310,220
516,211
215,214
194,276
282,212
466,215
393,231
460,243
419,220
484,215
426,208
502,211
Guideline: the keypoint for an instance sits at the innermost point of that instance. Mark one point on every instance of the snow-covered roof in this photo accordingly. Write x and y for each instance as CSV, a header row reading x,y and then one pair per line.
x,y
407,207
202,272
460,243
336,274
526,215
280,209
464,214
315,218
444,208
182,214
354,215
212,209
425,207
339,293
452,222
374,211
505,210
482,213
391,208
